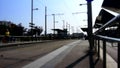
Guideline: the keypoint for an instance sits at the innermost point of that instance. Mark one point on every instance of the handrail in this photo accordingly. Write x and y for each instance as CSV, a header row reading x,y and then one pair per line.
x,y
108,38
98,37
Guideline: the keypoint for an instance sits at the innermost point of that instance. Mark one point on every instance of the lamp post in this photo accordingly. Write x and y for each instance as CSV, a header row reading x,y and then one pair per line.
x,y
53,23
31,13
90,32
45,21
32,9
63,24
69,28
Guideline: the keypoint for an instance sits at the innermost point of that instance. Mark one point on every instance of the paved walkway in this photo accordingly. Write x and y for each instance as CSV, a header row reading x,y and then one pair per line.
x,y
73,55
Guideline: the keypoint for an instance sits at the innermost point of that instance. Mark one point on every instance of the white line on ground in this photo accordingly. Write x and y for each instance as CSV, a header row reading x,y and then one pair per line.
x,y
42,61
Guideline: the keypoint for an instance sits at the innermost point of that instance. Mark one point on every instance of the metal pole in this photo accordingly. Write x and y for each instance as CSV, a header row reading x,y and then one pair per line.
x,y
45,21
63,24
104,54
69,28
72,29
118,55
98,49
90,31
31,13
32,19
53,23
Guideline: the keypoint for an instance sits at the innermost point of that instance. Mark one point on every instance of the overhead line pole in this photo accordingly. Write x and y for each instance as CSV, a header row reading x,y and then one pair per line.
x,y
45,21
53,23
63,24
31,13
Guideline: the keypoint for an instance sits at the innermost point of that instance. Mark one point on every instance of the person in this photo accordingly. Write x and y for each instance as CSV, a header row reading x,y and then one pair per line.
x,y
7,34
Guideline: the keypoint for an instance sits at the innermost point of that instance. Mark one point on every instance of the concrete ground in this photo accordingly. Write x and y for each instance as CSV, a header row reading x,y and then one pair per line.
x,y
21,55
73,55
55,54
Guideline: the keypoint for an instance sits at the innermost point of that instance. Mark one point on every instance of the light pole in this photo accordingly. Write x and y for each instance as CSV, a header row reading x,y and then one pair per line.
x,y
90,32
63,24
32,9
72,27
45,21
69,28
78,12
83,4
53,23
31,13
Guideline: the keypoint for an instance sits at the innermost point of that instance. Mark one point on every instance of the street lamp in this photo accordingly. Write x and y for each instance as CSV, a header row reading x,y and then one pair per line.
x,y
31,23
83,4
45,21
69,28
78,12
90,32
32,9
63,24
53,23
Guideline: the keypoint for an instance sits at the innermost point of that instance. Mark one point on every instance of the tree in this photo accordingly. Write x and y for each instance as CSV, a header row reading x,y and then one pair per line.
x,y
35,31
17,30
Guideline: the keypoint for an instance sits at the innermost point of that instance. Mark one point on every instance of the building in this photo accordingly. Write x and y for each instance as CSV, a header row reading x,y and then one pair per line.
x,y
6,23
61,34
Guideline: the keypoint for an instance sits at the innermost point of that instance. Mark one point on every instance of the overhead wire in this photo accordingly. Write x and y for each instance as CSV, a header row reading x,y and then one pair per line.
x,y
51,10
66,5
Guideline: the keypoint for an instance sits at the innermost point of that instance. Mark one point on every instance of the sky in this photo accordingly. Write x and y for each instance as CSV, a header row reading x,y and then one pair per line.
x,y
19,11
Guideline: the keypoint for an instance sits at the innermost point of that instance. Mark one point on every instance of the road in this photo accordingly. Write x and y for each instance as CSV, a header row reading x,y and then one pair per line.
x,y
18,57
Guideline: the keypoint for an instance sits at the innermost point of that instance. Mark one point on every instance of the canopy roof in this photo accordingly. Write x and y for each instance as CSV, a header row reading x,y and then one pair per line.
x,y
113,5
104,16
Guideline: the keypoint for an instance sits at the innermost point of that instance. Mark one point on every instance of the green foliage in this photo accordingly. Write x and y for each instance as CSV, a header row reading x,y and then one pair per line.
x,y
3,29
18,30
35,31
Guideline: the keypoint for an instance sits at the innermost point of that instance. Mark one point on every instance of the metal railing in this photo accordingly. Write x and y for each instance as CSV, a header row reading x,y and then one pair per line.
x,y
104,39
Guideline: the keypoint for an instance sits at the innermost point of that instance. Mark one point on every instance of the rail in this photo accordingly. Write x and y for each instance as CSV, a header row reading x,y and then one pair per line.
x,y
104,39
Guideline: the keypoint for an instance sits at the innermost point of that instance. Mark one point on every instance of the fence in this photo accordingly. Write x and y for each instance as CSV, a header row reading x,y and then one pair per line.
x,y
104,39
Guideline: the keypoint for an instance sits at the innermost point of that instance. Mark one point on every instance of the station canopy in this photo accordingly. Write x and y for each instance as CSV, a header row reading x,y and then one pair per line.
x,y
113,5
104,16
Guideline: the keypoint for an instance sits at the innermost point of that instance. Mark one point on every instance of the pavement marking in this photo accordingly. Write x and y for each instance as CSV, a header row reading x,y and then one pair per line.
x,y
59,58
43,60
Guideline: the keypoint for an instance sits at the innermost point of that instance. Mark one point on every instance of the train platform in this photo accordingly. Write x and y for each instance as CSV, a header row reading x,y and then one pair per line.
x,y
73,55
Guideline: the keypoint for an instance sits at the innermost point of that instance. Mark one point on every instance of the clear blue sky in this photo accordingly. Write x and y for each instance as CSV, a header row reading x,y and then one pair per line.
x,y
19,11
